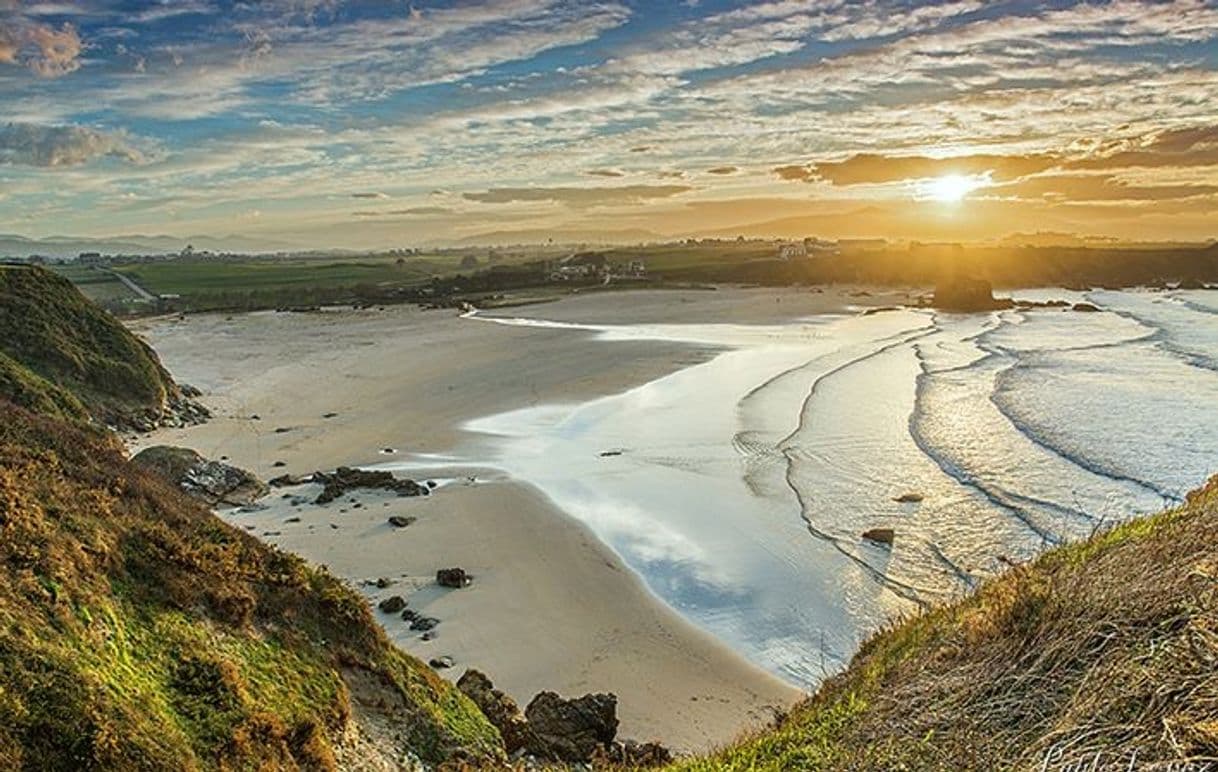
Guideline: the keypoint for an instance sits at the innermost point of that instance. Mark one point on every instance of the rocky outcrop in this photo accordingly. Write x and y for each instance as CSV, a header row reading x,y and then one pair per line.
x,y
1086,308
964,294
345,479
500,709
570,730
213,482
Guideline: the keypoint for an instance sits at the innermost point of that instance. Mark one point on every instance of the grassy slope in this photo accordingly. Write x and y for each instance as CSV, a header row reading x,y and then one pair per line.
x,y
53,335
139,631
1107,647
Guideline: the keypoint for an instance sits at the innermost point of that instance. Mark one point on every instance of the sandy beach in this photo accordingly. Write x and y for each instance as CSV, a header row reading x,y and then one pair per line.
x,y
551,607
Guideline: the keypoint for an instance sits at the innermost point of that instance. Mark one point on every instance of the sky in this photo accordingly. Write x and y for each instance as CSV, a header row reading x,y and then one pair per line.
x,y
383,123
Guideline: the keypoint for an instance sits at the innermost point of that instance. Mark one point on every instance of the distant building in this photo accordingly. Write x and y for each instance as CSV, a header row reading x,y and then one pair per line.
x,y
792,250
90,258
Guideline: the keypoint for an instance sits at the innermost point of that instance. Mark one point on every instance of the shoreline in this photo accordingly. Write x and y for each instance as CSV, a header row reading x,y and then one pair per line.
x,y
551,606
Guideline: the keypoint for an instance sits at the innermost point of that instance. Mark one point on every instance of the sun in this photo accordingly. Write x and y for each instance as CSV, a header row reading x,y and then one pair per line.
x,y
951,188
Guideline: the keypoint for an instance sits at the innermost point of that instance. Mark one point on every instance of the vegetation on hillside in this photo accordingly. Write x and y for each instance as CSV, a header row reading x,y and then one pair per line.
x,y
56,343
140,632
1099,655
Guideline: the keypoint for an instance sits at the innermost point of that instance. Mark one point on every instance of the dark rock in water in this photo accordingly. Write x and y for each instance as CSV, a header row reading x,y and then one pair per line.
x,y
636,755
570,730
909,498
345,479
215,483
392,605
441,663
330,415
431,484
453,577
500,709
880,535
409,615
966,294
424,623
430,635
279,464
292,520
383,582
397,521
1086,308
283,430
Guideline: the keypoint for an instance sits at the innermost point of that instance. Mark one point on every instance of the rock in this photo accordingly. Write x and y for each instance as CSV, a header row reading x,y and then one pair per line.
x,y
279,464
397,521
392,605
883,536
636,755
212,482
345,479
610,453
283,429
967,294
287,481
188,391
453,577
424,623
1086,308
909,498
1191,284
500,709
442,663
330,415
570,730
383,582
430,635
409,615
292,520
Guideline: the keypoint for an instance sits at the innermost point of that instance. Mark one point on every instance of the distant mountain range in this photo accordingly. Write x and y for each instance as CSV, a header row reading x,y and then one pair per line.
x,y
12,245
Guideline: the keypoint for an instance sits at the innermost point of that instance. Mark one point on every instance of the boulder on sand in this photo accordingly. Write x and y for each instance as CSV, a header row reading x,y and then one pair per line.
x,y
455,578
213,482
908,498
397,521
392,605
883,536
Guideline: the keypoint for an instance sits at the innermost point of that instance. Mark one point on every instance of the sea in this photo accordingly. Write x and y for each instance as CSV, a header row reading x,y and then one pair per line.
x,y
739,488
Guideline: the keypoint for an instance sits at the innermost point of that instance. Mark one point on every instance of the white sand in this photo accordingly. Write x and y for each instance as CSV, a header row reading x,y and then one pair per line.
x,y
552,608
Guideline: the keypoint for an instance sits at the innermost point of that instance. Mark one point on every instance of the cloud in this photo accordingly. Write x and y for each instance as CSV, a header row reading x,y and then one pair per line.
x,y
723,170
369,195
41,48
579,197
606,173
25,144
416,211
795,172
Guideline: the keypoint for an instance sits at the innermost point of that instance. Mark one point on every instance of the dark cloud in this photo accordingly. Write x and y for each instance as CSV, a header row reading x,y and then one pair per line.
x,y
1096,187
606,173
371,194
1192,146
870,168
723,170
795,172
626,194
27,144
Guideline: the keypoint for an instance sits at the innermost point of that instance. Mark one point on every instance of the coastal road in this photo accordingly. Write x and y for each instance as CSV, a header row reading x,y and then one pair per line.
x,y
131,285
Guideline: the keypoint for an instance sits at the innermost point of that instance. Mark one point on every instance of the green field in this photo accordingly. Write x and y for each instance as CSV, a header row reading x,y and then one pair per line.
x,y
194,277
99,286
